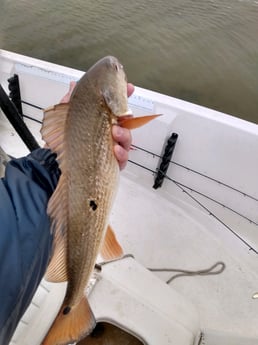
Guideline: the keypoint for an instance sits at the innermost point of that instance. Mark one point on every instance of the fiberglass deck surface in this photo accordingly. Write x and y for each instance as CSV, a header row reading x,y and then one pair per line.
x,y
159,233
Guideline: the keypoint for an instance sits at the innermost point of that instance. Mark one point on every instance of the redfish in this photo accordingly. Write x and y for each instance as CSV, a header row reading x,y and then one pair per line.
x,y
80,133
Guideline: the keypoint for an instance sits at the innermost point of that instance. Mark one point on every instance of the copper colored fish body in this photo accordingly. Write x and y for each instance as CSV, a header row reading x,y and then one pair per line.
x,y
91,169
80,133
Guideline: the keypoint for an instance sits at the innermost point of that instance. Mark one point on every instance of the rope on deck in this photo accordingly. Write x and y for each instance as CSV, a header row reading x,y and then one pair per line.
x,y
187,273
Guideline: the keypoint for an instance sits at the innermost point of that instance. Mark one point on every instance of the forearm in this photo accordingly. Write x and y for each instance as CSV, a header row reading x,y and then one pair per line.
x,y
25,238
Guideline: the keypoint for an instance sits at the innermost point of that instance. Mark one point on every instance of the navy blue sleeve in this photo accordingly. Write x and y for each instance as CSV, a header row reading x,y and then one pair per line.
x,y
25,238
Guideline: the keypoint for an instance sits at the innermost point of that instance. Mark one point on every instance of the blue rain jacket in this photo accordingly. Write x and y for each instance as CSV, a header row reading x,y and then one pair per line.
x,y
25,238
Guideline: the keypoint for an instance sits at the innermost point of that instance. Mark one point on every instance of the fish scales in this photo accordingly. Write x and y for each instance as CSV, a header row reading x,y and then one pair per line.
x,y
93,174
80,134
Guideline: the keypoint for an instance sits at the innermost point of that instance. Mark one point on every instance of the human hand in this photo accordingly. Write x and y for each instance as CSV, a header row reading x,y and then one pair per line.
x,y
121,136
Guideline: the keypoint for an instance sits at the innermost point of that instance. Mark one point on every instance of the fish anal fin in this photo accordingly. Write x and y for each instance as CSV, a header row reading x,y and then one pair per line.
x,y
111,249
71,324
53,127
57,210
136,122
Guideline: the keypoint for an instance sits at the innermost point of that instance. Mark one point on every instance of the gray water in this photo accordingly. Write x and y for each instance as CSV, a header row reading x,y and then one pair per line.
x,y
203,51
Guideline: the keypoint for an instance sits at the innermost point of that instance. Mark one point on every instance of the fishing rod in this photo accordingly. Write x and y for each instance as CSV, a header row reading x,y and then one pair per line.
x,y
15,118
184,188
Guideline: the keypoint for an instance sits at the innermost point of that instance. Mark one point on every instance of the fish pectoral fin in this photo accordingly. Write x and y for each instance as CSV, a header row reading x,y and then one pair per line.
x,y
53,127
72,325
136,122
111,248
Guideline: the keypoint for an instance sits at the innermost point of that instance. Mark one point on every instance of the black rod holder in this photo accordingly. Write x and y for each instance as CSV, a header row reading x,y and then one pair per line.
x,y
165,161
15,119
14,94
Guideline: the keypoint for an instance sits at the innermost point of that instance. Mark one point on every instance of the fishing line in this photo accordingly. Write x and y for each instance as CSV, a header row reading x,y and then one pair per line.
x,y
215,180
182,187
188,273
158,156
31,118
32,105
197,172
217,218
209,198
142,166
144,150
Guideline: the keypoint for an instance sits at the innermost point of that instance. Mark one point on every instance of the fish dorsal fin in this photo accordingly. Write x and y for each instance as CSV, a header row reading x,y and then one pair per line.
x,y
57,269
136,122
53,127
53,131
111,249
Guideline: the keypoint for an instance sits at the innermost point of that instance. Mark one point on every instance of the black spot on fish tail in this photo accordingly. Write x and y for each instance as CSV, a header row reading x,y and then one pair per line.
x,y
93,205
66,310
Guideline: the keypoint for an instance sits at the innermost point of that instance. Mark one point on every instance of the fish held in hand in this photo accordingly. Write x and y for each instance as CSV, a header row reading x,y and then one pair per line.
x,y
80,133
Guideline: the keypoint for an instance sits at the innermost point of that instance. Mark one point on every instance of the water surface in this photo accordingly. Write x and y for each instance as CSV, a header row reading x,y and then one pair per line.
x,y
203,51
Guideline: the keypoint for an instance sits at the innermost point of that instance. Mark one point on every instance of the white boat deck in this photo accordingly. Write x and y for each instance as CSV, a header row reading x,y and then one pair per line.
x,y
205,212
182,238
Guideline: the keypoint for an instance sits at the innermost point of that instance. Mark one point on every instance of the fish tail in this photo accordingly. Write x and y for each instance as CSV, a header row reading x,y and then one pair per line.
x,y
71,324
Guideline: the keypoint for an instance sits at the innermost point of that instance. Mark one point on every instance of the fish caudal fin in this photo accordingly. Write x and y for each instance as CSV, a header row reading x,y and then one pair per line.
x,y
71,324
111,249
136,122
